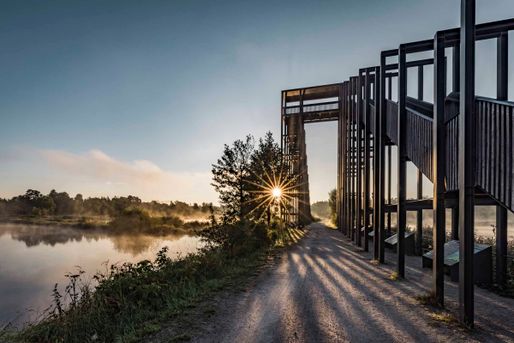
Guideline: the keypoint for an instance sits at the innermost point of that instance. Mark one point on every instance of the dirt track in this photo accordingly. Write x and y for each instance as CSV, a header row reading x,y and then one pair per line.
x,y
326,290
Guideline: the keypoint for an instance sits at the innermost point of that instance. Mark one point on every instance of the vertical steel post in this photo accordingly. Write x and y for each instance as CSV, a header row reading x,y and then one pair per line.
x,y
389,160
439,167
345,159
348,157
352,158
389,188
382,101
367,156
350,161
339,162
376,165
358,202
351,164
501,212
401,212
467,162
419,213
455,88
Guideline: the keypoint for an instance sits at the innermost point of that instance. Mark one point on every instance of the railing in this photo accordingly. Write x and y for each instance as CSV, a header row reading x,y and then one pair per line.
x,y
421,107
321,107
419,141
452,152
495,144
495,148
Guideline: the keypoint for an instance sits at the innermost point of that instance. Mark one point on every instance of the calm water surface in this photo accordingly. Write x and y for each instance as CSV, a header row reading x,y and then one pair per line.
x,y
34,258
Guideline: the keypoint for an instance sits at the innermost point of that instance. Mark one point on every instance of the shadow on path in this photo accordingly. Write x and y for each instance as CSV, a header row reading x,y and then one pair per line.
x,y
326,290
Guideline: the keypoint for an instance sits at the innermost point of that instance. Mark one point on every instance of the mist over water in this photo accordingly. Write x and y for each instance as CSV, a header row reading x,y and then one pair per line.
x,y
34,258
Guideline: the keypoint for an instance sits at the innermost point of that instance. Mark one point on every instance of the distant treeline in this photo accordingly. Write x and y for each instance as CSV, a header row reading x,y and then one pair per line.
x,y
35,203
321,209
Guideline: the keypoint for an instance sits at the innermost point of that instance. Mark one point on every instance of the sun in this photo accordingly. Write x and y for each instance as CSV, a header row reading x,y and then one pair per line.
x,y
274,189
276,192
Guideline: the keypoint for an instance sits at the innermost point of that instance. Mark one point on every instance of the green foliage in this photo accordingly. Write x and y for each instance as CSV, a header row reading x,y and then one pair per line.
x,y
64,205
321,209
34,204
244,175
332,201
231,176
131,218
267,171
236,238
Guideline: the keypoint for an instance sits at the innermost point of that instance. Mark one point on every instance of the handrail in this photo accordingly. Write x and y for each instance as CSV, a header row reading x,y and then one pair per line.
x,y
319,103
422,107
495,101
320,107
452,104
419,114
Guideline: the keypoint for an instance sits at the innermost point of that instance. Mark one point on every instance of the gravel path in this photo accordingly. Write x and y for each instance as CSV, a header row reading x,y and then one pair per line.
x,y
326,290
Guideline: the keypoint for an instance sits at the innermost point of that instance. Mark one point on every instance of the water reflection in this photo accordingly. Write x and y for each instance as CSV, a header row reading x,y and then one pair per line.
x,y
34,258
34,235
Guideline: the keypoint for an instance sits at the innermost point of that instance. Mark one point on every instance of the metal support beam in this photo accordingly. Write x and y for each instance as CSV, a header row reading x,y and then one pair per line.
x,y
389,160
467,162
401,213
345,157
367,156
439,167
353,146
419,213
358,155
376,167
501,212
339,167
389,188
381,147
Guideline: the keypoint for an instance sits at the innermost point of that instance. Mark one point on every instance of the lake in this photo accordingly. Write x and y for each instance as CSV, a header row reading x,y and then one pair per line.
x,y
34,258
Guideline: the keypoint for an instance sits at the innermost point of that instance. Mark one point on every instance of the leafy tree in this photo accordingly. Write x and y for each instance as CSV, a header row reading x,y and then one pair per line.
x,y
34,203
267,172
63,203
78,204
231,175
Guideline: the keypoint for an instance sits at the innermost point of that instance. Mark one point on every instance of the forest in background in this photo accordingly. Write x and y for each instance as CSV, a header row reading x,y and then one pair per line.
x,y
117,213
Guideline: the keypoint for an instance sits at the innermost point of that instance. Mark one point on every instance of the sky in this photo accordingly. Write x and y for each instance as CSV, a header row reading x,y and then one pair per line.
x,y
109,98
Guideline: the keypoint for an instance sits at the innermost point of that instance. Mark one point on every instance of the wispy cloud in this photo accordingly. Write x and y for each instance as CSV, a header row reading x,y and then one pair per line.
x,y
104,174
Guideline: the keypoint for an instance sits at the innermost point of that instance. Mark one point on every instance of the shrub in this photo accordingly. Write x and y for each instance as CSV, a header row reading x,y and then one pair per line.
x,y
236,238
131,219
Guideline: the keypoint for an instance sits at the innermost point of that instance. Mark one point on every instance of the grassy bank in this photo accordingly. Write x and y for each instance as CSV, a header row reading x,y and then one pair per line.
x,y
133,300
85,222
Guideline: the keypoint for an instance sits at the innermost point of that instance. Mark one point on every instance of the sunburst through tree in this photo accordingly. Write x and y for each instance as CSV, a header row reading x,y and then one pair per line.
x,y
274,190
253,180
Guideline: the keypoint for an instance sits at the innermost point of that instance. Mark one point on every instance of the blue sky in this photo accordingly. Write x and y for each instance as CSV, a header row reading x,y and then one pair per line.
x,y
138,97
